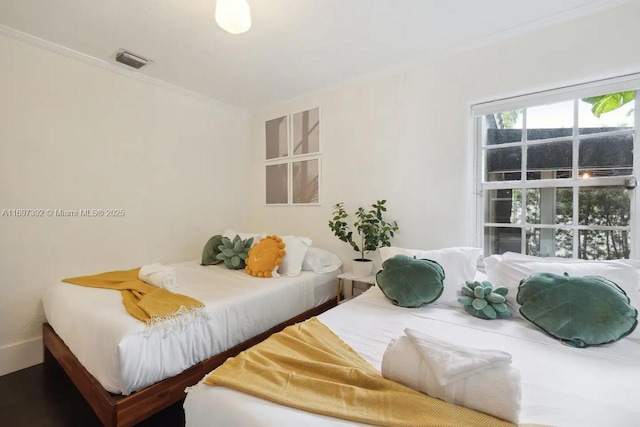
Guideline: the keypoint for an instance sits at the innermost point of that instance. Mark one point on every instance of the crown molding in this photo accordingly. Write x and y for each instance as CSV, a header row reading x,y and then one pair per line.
x,y
446,52
106,65
559,18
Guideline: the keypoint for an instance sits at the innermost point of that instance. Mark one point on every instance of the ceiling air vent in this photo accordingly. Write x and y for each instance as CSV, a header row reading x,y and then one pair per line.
x,y
131,59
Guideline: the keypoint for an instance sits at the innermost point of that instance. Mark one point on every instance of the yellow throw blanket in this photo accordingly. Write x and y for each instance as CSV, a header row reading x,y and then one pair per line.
x,y
146,303
308,367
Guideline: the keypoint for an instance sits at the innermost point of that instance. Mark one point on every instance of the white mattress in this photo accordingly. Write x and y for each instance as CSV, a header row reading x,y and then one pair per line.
x,y
561,385
115,349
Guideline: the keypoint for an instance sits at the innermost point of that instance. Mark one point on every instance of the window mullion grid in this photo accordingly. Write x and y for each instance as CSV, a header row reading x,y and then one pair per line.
x,y
523,228
635,200
605,181
559,139
575,176
481,156
562,226
575,182
290,156
611,85
523,191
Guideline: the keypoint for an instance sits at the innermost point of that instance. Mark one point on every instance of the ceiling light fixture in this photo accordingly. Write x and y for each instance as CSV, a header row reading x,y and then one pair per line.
x,y
233,16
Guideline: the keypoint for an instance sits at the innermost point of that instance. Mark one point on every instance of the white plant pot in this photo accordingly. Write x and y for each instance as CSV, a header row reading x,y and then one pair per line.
x,y
361,268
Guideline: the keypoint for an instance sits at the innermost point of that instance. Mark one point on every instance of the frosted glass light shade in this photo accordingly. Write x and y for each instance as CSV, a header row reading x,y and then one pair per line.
x,y
233,16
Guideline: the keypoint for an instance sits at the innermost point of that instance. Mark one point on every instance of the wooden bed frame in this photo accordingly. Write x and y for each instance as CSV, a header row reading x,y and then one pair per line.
x,y
116,410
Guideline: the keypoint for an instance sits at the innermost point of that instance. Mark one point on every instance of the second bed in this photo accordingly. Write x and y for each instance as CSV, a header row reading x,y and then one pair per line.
x,y
124,356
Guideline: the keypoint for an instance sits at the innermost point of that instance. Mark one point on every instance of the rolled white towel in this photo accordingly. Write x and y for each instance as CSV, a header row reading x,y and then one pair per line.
x,y
483,380
161,276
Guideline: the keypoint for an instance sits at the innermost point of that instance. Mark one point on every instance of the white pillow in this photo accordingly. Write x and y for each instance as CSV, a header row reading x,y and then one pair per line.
x,y
459,265
296,248
306,240
230,234
510,268
320,261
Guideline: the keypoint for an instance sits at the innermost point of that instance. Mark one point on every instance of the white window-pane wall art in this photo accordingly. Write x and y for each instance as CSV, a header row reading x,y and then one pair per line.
x,y
277,137
293,158
277,180
306,177
306,132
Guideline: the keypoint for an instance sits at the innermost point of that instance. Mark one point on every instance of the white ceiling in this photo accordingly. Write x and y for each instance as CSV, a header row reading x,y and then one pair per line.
x,y
293,47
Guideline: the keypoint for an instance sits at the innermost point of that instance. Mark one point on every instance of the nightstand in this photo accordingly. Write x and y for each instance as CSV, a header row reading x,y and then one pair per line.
x,y
358,283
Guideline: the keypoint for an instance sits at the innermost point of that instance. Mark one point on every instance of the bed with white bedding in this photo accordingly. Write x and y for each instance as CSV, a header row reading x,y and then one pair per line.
x,y
561,385
124,357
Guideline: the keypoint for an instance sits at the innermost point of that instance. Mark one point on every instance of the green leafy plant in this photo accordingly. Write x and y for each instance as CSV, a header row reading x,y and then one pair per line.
x,y
612,101
371,230
233,253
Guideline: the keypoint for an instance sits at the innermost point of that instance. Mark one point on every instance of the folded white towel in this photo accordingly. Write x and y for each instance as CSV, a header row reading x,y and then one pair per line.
x,y
161,276
483,380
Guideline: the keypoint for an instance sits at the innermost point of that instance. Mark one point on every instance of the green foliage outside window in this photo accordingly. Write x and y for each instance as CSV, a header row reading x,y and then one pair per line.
x,y
610,102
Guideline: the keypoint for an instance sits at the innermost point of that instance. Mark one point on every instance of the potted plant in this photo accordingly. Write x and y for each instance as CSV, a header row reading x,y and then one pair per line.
x,y
371,232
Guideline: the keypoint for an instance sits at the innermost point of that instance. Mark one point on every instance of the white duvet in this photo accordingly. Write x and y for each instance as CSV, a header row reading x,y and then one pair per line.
x,y
561,385
115,349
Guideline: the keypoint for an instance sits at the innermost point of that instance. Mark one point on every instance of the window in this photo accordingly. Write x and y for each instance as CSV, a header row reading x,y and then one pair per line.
x,y
554,170
293,159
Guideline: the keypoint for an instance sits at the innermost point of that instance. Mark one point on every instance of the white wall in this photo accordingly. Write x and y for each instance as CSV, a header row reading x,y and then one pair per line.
x,y
76,136
405,136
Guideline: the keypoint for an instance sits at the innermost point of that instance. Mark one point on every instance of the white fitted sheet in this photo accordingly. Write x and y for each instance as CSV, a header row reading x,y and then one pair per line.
x,y
561,385
113,347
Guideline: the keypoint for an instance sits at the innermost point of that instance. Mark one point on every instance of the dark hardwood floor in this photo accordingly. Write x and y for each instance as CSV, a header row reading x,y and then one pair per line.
x,y
35,398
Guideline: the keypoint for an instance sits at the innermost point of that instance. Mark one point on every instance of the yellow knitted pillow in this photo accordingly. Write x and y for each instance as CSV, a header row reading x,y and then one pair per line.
x,y
265,257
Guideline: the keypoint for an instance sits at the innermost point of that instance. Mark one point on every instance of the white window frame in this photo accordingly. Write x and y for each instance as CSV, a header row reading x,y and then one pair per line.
x,y
290,159
478,111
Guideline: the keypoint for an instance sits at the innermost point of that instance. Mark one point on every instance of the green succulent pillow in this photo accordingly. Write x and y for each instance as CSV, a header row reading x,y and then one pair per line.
x,y
579,311
481,300
410,282
211,251
233,253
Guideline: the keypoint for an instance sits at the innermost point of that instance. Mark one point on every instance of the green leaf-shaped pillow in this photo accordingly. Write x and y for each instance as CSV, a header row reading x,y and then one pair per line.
x,y
579,311
410,282
211,251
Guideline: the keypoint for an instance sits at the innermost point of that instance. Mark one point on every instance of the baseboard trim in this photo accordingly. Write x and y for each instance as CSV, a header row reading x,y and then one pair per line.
x,y
15,357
